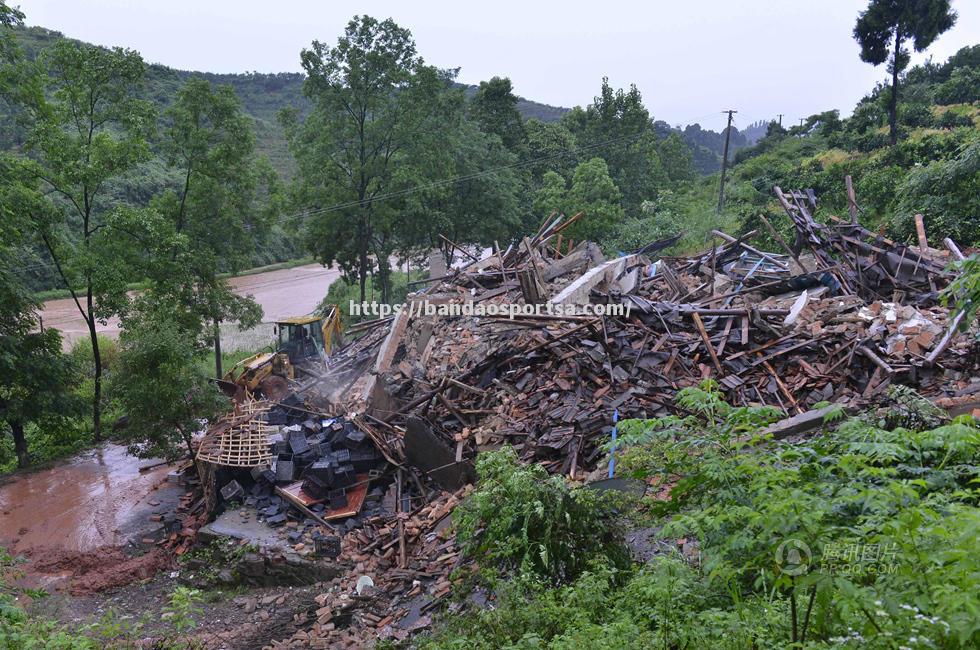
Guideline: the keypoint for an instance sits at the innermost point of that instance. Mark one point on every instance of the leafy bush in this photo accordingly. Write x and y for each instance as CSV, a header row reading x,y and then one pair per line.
x,y
947,193
523,520
881,527
343,292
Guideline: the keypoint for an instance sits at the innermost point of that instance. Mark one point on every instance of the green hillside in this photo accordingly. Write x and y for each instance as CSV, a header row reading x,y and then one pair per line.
x,y
934,169
263,95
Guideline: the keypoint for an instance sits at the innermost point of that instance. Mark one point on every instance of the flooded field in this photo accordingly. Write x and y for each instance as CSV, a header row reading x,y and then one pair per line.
x,y
285,292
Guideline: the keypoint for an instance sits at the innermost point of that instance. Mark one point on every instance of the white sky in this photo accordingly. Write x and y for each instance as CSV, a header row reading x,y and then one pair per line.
x,y
690,59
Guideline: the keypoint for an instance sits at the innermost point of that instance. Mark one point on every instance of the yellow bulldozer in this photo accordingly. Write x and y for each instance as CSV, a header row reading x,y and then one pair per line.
x,y
301,342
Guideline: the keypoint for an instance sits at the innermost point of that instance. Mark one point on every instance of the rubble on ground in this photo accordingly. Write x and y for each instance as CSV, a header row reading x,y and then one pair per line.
x,y
838,315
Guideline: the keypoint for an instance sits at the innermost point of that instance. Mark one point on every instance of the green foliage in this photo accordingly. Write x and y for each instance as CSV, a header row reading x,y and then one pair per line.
x,y
617,128
550,197
521,519
880,526
183,609
962,87
481,207
677,159
947,193
158,381
552,147
963,293
35,377
858,485
494,108
594,193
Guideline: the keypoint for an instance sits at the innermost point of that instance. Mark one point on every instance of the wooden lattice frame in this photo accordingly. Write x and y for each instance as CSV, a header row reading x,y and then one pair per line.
x,y
240,440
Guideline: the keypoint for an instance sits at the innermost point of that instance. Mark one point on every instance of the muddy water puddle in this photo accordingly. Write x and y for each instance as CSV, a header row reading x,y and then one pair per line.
x,y
96,499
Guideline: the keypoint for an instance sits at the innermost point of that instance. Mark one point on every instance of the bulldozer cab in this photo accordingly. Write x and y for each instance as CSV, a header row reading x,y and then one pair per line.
x,y
303,337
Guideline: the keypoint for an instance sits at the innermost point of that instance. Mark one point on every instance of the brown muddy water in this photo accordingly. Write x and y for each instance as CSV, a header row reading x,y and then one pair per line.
x,y
98,498
281,293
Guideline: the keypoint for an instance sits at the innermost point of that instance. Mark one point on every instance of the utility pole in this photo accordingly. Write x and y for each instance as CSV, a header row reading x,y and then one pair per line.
x,y
780,119
724,161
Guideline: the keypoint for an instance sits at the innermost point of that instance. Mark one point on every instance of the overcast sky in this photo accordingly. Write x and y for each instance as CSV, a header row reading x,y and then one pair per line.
x,y
690,59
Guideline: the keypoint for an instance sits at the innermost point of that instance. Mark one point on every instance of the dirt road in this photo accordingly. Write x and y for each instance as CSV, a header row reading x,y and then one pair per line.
x,y
286,292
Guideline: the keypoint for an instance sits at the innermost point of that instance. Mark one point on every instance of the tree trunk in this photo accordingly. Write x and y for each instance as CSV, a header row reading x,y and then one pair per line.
x,y
188,440
20,444
362,272
217,349
385,272
97,358
893,104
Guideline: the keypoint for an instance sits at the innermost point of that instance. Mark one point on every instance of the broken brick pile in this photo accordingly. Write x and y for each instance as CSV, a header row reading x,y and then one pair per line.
x,y
395,597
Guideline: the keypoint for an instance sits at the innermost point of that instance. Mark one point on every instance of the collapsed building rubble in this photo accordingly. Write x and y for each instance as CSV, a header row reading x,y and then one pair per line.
x,y
839,315
842,314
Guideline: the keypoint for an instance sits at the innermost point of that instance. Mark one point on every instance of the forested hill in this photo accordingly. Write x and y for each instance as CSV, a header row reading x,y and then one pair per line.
x,y
262,95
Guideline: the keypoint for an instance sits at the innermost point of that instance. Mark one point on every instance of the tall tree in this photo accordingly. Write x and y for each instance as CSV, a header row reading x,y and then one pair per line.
x,y
494,108
159,380
594,192
677,159
210,143
618,128
552,148
89,128
480,206
550,197
372,98
35,377
892,23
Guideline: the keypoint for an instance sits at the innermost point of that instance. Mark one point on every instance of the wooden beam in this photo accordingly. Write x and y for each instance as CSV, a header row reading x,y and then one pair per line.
x,y
707,341
852,205
920,231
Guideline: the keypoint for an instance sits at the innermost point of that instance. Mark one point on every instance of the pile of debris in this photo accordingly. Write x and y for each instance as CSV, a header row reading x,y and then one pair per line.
x,y
291,464
839,316
392,590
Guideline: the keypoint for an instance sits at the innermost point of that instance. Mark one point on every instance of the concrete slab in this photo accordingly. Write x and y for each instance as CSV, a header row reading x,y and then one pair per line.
x,y
610,274
239,525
